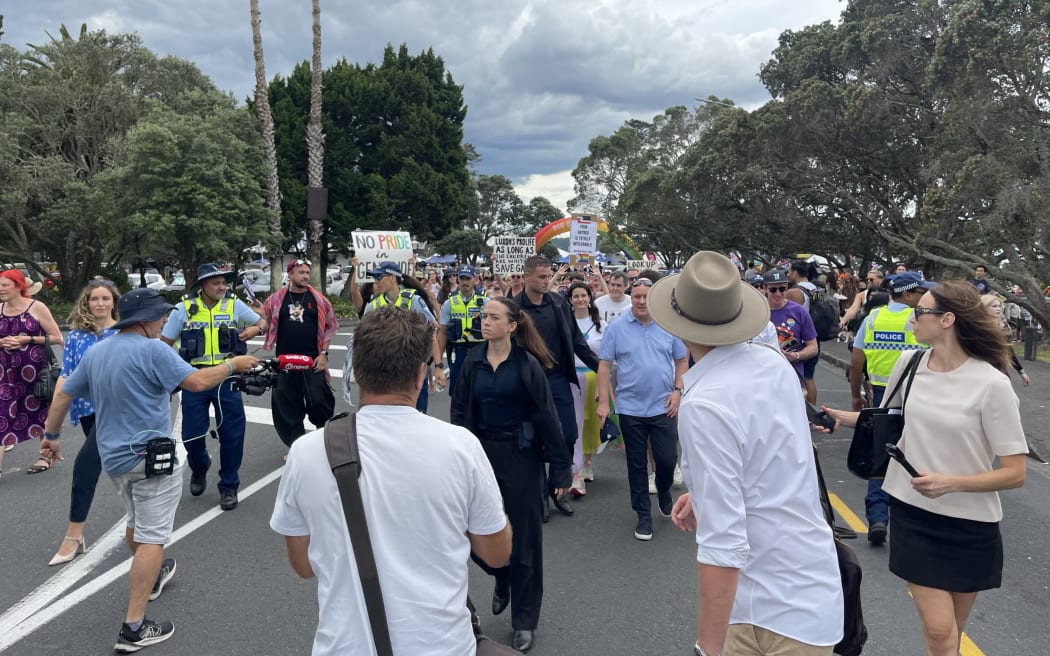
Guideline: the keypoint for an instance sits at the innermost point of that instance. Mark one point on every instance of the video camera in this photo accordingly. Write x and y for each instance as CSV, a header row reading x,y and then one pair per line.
x,y
264,377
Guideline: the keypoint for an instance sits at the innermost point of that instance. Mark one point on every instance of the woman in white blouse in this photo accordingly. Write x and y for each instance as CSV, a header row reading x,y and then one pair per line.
x,y
587,318
961,415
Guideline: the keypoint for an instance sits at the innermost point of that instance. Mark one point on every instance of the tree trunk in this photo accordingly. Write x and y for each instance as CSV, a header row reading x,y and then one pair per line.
x,y
315,154
275,237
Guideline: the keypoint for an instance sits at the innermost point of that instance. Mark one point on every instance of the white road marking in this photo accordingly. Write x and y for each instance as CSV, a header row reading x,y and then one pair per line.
x,y
332,347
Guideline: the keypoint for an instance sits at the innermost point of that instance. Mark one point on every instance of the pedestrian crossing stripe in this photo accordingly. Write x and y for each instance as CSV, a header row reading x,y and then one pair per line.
x,y
332,347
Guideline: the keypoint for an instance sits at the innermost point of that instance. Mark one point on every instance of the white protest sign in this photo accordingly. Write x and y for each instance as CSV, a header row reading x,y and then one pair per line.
x,y
641,265
583,235
375,246
509,254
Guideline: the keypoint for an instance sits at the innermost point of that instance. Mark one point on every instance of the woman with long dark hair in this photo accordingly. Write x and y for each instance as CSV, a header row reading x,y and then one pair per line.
x,y
93,313
962,414
581,297
503,397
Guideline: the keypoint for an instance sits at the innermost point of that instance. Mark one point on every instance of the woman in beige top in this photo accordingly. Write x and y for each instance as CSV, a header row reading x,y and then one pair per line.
x,y
961,414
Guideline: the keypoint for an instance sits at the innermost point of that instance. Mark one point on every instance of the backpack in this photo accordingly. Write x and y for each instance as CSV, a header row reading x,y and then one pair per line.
x,y
824,311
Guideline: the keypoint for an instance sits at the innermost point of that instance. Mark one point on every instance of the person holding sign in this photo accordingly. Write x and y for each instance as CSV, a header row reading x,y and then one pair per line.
x,y
388,291
460,323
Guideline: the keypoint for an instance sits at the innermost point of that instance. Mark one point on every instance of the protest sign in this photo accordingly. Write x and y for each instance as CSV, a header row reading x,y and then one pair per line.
x,y
509,254
583,235
641,265
375,246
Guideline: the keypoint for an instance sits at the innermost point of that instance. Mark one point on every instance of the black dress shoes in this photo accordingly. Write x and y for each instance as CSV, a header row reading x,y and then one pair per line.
x,y
522,641
546,510
500,597
563,506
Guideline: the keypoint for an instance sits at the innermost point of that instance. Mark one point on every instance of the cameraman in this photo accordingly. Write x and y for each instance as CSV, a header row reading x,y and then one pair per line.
x,y
129,377
206,325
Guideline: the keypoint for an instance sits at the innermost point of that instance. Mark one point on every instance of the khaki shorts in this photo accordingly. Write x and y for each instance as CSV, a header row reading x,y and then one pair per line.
x,y
751,640
150,502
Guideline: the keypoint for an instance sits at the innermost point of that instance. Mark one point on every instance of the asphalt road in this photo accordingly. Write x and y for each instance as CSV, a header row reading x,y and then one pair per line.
x,y
606,593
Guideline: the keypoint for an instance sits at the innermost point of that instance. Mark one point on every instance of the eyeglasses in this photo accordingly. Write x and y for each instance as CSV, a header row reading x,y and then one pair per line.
x,y
776,290
641,282
919,311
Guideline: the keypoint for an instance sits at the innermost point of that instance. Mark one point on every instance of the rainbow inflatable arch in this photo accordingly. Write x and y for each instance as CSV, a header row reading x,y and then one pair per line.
x,y
564,224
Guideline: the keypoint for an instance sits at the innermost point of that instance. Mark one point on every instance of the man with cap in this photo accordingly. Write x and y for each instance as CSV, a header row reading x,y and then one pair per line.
x,y
885,334
795,330
766,562
129,377
388,290
211,326
460,323
300,321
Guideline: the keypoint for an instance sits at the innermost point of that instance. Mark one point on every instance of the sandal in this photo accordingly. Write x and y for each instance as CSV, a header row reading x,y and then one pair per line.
x,y
36,468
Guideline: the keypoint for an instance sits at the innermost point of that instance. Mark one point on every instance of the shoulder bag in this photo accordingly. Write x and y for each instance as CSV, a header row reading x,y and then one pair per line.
x,y
876,427
47,379
340,445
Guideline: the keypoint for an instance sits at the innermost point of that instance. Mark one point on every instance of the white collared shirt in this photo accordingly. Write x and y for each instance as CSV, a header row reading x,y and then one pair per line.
x,y
747,458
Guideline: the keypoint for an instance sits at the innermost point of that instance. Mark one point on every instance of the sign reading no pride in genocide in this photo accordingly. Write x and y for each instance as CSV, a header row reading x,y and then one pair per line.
x,y
375,246
509,254
583,235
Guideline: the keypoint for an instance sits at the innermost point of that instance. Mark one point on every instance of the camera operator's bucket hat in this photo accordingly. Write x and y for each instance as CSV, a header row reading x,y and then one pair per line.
x,y
141,305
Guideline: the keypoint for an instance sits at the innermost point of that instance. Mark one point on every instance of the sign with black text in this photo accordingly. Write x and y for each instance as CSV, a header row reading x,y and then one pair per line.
x,y
509,254
583,235
375,246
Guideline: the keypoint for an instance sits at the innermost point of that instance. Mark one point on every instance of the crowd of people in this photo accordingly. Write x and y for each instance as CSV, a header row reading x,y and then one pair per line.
x,y
545,367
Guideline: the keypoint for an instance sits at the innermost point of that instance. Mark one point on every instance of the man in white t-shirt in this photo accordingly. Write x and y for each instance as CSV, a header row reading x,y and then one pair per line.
x,y
616,302
768,572
430,498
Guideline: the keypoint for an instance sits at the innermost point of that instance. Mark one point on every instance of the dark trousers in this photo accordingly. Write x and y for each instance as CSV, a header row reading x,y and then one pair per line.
x,y
86,470
566,406
661,432
457,355
520,478
423,400
299,394
230,422
877,502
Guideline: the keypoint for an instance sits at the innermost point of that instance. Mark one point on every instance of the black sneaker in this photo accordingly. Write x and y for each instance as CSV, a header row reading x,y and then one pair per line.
x,y
228,500
167,570
666,505
644,529
150,633
877,533
198,482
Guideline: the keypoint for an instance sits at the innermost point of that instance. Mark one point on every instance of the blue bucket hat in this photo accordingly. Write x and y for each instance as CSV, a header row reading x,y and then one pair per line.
x,y
141,305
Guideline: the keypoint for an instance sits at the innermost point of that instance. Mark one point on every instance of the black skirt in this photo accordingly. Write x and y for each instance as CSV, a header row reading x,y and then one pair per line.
x,y
946,553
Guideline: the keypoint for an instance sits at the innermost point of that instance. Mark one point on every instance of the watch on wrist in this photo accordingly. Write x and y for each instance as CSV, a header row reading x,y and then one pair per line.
x,y
325,353
679,388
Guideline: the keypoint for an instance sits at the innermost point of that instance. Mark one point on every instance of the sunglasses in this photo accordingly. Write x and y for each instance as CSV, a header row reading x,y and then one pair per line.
x,y
302,262
641,282
919,311
100,283
515,276
872,280
776,290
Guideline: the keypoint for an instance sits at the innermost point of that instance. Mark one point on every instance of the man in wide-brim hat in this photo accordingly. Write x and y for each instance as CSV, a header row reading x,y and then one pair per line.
x,y
766,558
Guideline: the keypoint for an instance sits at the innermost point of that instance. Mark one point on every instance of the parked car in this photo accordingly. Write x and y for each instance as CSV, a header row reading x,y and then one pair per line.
x,y
177,284
333,285
259,279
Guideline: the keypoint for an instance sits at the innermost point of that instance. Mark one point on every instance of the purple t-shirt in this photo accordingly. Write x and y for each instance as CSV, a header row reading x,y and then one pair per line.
x,y
794,329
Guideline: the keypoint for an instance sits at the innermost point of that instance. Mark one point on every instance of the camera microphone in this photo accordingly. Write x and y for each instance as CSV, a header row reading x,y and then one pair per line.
x,y
291,363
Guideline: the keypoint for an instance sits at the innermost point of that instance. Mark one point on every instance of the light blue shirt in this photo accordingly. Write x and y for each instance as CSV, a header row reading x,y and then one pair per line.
x,y
858,341
242,314
129,379
418,305
644,355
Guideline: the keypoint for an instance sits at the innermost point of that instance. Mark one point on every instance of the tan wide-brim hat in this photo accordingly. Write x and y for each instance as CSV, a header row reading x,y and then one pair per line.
x,y
707,303
34,289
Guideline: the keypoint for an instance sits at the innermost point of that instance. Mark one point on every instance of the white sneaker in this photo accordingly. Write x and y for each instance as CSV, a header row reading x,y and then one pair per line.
x,y
677,475
652,483
587,473
579,488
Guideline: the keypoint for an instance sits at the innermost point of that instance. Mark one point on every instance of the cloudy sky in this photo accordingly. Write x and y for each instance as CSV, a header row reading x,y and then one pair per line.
x,y
541,77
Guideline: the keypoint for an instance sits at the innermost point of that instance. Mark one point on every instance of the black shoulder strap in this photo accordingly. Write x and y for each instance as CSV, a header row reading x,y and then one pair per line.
x,y
340,444
909,371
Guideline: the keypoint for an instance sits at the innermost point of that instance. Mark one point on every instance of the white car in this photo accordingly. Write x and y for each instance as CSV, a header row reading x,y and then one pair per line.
x,y
153,281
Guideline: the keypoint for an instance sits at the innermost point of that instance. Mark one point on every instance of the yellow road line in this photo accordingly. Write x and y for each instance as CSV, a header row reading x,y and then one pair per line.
x,y
855,523
966,646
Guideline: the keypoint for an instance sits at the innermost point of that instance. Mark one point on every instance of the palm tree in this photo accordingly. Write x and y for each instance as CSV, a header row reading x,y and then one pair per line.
x,y
275,239
315,158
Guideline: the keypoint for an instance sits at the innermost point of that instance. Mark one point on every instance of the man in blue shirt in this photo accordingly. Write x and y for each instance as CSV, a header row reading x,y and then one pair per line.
x,y
129,378
650,364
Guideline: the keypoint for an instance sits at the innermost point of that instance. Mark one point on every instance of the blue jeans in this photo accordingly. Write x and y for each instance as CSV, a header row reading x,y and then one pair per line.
x,y
423,400
877,502
661,432
229,413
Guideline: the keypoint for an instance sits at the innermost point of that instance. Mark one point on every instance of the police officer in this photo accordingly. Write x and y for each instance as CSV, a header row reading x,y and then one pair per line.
x,y
885,334
207,327
388,290
460,323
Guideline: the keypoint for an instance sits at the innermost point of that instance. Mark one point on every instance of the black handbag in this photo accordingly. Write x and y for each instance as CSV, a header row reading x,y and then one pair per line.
x,y
340,445
877,427
47,380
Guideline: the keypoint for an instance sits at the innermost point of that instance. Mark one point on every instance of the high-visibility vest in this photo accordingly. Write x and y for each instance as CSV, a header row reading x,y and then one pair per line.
x,y
209,321
466,313
404,300
887,336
